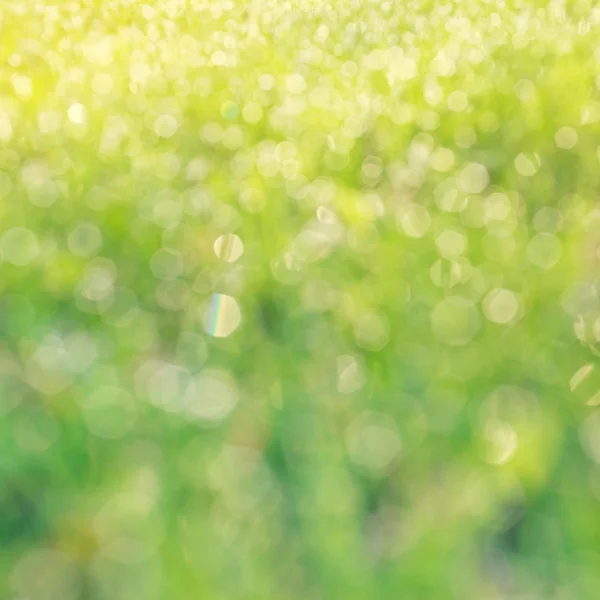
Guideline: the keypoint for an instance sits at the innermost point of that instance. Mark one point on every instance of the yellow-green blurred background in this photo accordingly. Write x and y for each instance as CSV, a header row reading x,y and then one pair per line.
x,y
299,300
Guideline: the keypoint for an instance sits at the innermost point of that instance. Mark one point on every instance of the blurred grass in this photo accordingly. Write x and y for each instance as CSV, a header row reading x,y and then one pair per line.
x,y
384,385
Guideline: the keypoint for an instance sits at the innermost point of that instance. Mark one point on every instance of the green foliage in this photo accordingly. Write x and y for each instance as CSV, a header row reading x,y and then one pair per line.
x,y
299,300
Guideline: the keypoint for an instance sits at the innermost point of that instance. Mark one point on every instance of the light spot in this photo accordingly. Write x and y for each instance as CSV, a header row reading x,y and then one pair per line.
x,y
229,110
372,168
191,350
566,138
172,294
266,82
229,247
414,220
580,376
442,159
288,269
372,332
501,306
526,91
501,441
376,60
166,263
527,166
373,442
19,246
211,133
165,126
369,207
594,400
473,179
443,65
350,375
349,69
363,238
98,280
85,240
6,129
222,317
544,250
455,321
163,384
129,514
295,83
49,367
109,412
448,273
77,114
167,165
233,138
102,83
197,169
496,207
465,137
589,435
318,296
211,396
580,298
488,121
22,85
82,351
148,12
548,219
252,200
312,244
252,112
458,101
451,243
